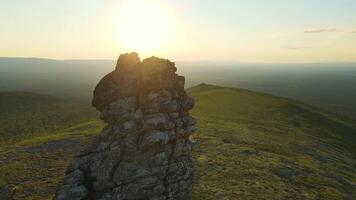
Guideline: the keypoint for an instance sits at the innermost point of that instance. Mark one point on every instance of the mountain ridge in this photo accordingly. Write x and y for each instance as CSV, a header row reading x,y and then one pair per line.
x,y
250,146
311,83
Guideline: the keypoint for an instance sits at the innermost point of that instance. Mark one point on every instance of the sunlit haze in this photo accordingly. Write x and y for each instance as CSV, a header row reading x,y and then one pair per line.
x,y
145,26
293,31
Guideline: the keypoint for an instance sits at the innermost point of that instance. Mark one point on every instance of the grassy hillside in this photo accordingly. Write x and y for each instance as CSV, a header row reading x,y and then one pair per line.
x,y
250,146
32,168
330,86
256,146
23,114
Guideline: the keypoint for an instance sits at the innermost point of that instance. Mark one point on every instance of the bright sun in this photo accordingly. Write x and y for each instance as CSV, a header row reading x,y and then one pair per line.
x,y
144,25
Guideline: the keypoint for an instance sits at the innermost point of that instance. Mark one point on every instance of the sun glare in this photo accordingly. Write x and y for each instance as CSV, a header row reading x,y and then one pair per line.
x,y
144,25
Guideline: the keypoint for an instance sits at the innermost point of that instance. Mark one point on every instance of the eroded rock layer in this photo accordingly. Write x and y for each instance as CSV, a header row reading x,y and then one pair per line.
x,y
145,150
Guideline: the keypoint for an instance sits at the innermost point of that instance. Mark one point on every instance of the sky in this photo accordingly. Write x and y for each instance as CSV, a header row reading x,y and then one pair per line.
x,y
267,31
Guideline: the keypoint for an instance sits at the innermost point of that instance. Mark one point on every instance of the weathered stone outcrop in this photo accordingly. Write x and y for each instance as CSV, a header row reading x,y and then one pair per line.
x,y
145,150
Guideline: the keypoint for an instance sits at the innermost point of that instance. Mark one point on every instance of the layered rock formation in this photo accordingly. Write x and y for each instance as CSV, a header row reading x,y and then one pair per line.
x,y
145,150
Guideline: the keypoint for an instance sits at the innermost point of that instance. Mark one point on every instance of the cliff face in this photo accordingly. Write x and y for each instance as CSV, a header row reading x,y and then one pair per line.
x,y
145,150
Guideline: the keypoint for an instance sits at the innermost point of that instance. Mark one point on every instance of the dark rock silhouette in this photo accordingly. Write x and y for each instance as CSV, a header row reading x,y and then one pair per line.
x,y
145,150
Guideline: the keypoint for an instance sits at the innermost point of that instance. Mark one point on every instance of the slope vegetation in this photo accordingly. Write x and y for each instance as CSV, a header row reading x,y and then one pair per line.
x,y
257,146
250,146
23,114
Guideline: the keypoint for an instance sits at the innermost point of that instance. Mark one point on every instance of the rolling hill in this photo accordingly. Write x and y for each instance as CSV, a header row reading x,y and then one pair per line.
x,y
249,146
257,146
330,86
23,114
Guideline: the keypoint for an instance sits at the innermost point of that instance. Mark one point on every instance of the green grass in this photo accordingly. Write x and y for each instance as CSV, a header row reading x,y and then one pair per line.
x,y
257,146
24,114
250,146
36,165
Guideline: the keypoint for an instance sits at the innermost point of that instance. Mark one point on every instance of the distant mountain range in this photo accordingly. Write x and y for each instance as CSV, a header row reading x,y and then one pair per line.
x,y
331,86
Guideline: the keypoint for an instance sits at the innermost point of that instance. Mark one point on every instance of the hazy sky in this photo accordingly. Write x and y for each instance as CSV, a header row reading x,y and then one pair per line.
x,y
229,30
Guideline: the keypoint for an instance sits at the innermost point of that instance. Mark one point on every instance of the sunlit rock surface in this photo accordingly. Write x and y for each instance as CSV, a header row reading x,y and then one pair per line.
x,y
145,150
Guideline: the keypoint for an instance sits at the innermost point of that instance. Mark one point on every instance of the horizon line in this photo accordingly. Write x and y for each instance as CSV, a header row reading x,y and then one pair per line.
x,y
188,61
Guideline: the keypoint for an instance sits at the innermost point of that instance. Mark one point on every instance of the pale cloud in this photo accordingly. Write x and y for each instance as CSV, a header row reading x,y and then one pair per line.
x,y
296,47
320,31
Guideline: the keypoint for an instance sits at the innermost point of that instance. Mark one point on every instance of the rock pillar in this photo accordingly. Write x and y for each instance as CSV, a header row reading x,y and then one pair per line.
x,y
144,152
